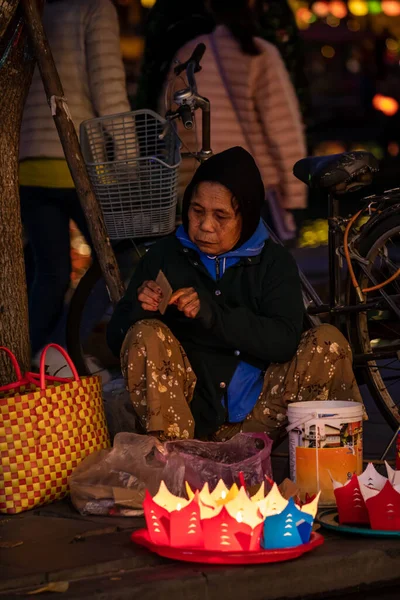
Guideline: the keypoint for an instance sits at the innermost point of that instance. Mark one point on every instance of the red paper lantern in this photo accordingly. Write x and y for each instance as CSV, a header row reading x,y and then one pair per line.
x,y
185,526
384,508
224,533
157,519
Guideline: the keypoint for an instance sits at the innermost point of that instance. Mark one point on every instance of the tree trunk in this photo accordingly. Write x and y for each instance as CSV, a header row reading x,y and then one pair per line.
x,y
72,151
16,68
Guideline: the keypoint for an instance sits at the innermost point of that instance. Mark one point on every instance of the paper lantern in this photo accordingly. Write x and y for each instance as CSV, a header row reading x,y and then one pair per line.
x,y
370,499
350,503
157,520
185,526
283,530
224,533
227,519
383,507
273,503
393,476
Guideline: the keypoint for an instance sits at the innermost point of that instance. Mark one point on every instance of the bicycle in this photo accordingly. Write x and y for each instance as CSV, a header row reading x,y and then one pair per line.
x,y
368,304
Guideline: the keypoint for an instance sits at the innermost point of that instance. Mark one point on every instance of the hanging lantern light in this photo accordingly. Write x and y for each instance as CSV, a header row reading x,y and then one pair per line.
x,y
359,8
320,9
338,9
391,8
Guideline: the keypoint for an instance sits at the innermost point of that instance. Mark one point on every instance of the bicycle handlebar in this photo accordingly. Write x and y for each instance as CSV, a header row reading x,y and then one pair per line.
x,y
189,100
185,113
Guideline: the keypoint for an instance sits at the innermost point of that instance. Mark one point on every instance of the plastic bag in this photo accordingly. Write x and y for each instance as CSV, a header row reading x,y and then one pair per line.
x,y
208,462
114,481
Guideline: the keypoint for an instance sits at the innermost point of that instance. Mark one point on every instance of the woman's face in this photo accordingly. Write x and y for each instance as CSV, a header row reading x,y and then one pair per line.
x,y
215,224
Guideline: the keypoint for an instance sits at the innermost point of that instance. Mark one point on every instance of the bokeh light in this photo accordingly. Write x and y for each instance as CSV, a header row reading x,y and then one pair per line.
x,y
353,65
333,21
353,25
389,106
321,9
374,7
328,51
338,9
393,149
359,8
391,8
392,45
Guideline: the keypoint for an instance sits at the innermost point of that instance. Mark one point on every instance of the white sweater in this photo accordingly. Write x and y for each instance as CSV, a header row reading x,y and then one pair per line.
x,y
84,40
268,124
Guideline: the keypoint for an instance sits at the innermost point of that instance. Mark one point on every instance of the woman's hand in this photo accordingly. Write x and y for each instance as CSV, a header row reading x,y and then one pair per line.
x,y
150,295
187,301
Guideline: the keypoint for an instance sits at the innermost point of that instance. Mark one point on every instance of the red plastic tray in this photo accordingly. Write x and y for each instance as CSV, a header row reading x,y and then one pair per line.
x,y
141,537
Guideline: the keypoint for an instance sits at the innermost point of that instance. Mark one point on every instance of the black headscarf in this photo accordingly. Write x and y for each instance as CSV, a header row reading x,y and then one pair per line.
x,y
236,170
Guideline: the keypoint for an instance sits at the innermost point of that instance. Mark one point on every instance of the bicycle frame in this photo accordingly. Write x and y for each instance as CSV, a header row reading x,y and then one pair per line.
x,y
334,309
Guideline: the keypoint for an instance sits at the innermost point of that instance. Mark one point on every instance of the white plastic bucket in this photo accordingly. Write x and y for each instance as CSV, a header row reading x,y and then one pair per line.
x,y
325,442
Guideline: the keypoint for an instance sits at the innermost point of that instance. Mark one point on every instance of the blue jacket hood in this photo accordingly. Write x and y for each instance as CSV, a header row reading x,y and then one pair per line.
x,y
252,247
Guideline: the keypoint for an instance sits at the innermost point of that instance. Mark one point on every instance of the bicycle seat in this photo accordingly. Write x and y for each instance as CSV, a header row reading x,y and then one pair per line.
x,y
344,172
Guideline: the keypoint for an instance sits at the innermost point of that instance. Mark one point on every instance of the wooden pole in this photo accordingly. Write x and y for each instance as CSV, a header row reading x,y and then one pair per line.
x,y
72,150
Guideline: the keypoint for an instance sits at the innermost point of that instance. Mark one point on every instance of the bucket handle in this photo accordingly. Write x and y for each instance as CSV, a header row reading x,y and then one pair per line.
x,y
307,418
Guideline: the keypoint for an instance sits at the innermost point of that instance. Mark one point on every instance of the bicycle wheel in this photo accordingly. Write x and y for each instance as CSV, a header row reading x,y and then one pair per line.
x,y
381,328
90,310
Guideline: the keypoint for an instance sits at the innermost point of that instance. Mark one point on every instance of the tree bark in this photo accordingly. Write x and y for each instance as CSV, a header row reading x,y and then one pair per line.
x,y
16,68
72,151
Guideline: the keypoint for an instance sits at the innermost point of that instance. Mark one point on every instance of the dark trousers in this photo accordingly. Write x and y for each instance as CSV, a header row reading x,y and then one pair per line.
x,y
46,213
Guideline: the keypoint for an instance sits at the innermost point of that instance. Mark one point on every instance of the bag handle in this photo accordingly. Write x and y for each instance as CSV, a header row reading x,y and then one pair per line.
x,y
71,365
315,416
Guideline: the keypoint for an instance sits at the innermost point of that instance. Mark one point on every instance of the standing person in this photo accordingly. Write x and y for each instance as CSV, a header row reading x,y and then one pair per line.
x,y
85,43
253,104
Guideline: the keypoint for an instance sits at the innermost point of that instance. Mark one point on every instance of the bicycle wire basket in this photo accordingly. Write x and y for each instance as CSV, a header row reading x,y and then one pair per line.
x,y
134,172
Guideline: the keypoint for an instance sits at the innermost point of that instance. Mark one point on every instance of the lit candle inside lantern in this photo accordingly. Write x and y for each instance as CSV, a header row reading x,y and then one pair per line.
x,y
273,503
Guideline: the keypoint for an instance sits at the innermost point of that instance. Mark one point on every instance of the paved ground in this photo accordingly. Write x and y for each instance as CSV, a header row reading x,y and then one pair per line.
x,y
97,559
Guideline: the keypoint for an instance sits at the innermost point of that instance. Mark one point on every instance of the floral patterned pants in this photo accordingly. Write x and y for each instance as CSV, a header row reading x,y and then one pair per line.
x,y
161,382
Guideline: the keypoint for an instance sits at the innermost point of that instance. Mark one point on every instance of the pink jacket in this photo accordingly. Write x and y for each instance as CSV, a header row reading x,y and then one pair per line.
x,y
269,125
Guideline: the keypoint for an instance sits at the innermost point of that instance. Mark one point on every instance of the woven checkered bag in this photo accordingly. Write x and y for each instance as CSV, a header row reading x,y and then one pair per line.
x,y
48,425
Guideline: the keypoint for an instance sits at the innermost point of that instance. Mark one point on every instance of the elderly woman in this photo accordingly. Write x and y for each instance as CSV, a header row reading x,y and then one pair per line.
x,y
228,355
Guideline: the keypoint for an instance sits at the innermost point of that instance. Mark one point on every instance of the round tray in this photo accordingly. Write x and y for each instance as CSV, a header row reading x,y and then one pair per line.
x,y
329,519
141,537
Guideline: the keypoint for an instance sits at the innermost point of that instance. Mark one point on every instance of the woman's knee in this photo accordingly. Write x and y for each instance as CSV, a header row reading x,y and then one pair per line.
x,y
147,331
149,328
330,338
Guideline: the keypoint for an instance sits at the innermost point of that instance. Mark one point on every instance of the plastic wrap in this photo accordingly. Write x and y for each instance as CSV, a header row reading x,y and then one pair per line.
x,y
208,462
113,482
